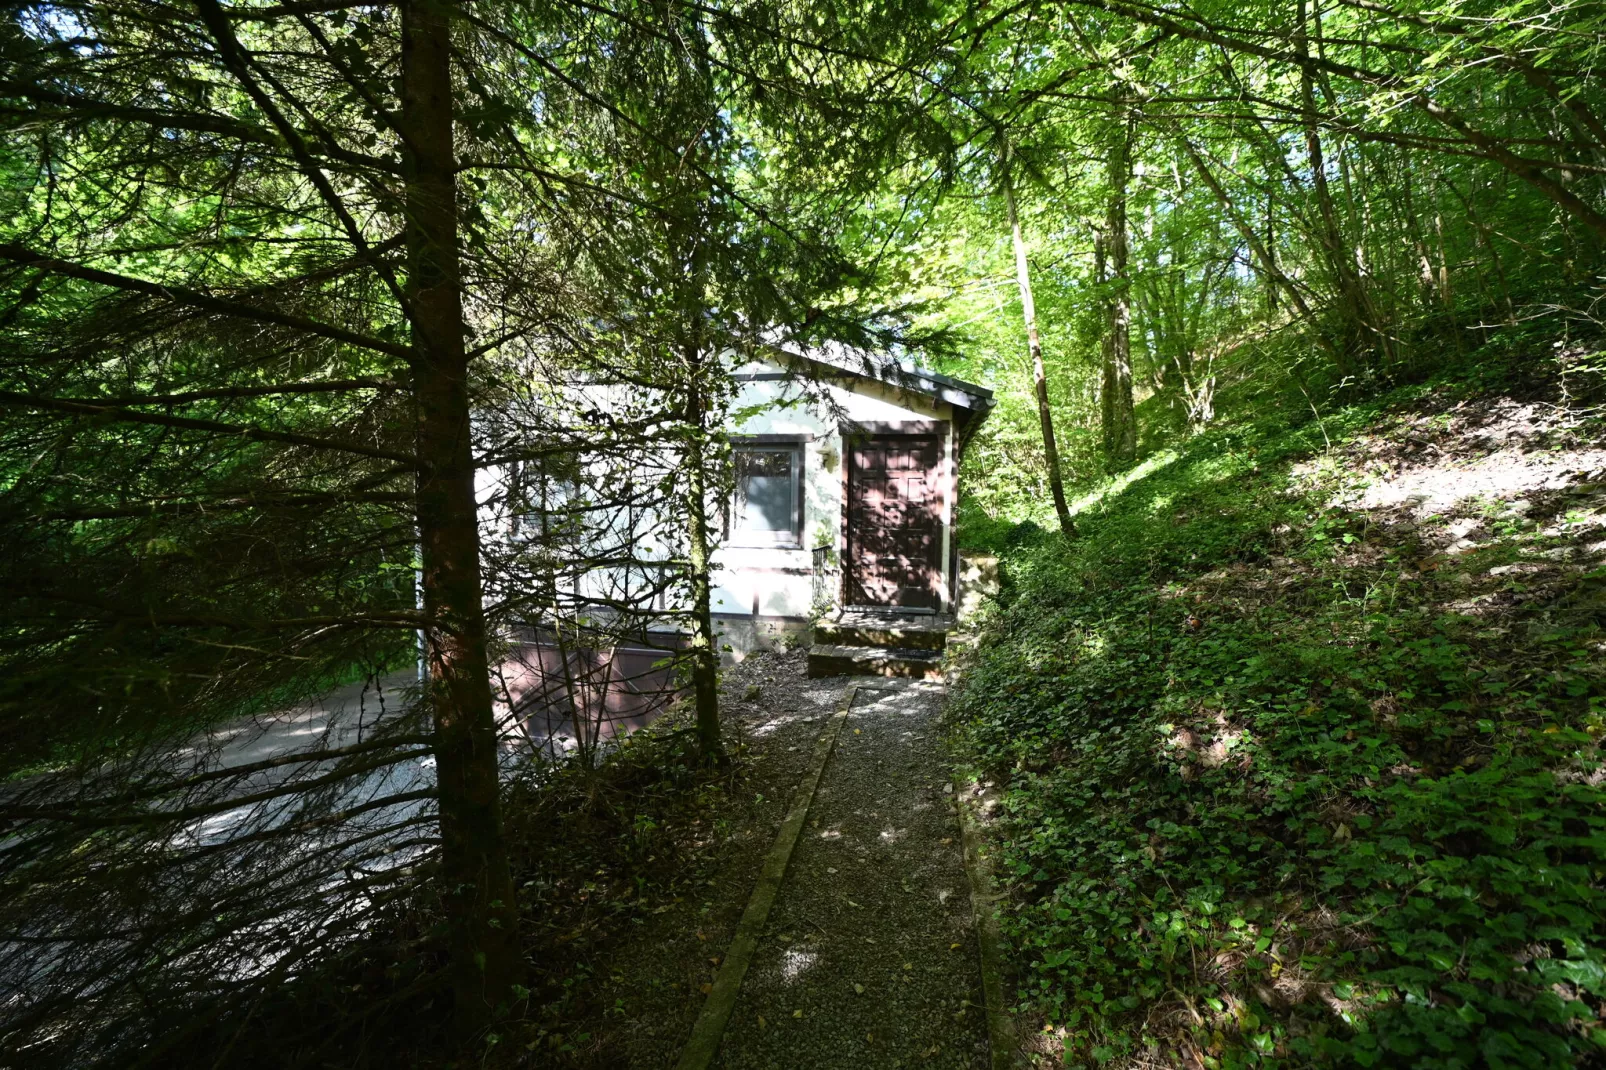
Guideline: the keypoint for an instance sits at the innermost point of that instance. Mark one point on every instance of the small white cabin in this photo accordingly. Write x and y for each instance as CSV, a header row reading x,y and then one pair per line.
x,y
846,487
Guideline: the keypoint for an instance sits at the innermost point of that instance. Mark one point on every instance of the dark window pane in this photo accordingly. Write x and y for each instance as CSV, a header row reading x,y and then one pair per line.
x,y
764,490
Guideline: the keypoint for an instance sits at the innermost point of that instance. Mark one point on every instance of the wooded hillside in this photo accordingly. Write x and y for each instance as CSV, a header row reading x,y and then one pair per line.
x,y
337,338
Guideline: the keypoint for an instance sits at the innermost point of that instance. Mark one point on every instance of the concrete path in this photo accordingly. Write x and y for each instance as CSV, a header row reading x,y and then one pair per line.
x,y
345,717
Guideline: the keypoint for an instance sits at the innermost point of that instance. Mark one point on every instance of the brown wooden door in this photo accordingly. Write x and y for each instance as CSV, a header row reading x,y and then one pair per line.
x,y
894,535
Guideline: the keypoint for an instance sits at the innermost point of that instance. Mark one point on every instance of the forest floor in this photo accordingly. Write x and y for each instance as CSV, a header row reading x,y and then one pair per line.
x,y
868,957
1296,752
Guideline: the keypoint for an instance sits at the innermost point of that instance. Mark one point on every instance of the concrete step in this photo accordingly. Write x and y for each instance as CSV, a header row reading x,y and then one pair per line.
x,y
827,659
902,632
889,636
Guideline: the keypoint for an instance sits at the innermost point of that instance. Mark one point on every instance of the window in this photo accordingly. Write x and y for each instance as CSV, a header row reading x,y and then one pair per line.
x,y
547,496
768,505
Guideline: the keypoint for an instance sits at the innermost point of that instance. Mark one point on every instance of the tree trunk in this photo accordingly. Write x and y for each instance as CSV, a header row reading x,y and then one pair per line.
x,y
704,656
1034,344
1120,423
477,887
1351,291
1275,277
1269,255
1427,286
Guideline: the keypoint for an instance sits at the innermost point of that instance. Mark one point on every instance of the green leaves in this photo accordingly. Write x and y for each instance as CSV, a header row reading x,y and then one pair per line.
x,y
1375,808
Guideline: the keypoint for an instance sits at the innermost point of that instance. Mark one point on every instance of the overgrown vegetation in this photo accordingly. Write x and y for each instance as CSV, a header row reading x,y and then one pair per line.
x,y
598,850
307,311
1292,777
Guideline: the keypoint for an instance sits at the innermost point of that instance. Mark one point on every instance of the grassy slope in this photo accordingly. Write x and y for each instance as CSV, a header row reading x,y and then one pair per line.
x,y
1284,780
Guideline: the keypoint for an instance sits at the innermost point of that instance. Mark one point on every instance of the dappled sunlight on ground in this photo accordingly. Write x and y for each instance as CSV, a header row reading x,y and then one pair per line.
x,y
1114,487
1482,450
1297,744
795,962
868,960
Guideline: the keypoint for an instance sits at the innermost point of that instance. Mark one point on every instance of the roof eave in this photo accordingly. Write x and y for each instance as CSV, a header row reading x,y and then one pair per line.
x,y
935,385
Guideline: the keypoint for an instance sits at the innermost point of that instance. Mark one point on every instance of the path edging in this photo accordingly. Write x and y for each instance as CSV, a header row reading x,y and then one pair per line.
x,y
706,1035
1000,1026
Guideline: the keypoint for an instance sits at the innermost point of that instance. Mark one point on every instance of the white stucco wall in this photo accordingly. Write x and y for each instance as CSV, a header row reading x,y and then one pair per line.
x,y
773,581
757,581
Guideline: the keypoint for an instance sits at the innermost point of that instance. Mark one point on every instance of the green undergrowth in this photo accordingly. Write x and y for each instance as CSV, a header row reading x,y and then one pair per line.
x,y
1286,782
598,852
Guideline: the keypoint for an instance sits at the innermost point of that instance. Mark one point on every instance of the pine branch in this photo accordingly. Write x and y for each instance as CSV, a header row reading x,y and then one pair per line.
x,y
121,414
205,302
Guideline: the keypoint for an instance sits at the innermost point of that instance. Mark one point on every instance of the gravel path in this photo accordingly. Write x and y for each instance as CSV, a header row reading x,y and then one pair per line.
x,y
869,958
651,987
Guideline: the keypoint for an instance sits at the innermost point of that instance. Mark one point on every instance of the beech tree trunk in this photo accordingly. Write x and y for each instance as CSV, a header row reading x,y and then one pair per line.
x,y
1034,344
477,886
1120,423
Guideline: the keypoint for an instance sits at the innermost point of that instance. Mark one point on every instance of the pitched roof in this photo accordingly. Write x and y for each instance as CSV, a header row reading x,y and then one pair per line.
x,y
831,360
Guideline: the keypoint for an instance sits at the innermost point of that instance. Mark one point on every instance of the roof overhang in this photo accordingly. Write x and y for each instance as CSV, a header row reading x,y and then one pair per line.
x,y
834,361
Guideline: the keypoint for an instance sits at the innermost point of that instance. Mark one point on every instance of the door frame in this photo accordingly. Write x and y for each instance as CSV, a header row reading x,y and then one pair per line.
x,y
860,430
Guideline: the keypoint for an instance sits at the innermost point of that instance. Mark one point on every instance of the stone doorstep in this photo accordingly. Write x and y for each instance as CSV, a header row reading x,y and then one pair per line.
x,y
827,659
889,629
893,616
887,638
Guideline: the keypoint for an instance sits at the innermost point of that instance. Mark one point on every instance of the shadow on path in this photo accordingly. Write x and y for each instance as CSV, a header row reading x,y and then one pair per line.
x,y
869,958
